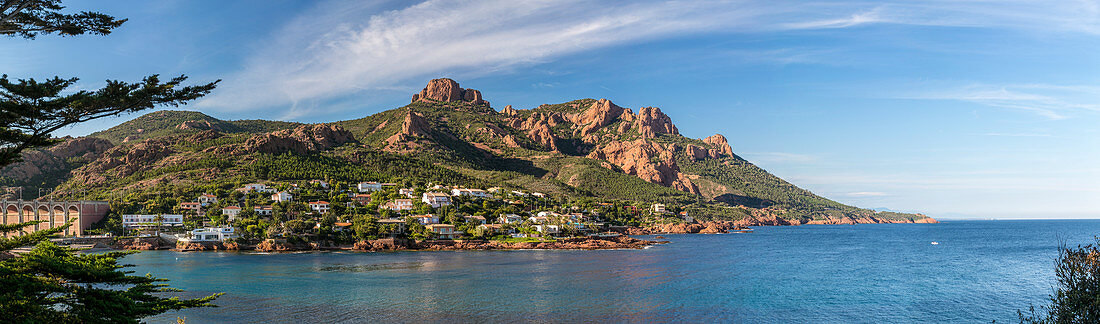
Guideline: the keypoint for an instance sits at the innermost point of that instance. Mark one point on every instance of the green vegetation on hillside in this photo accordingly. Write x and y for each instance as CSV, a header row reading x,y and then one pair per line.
x,y
368,165
167,122
464,145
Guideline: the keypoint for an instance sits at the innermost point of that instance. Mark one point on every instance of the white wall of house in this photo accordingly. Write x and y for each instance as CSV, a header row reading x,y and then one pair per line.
x,y
140,220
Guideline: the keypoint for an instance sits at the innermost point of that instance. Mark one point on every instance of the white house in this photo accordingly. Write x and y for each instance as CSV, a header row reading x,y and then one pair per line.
x,y
407,192
538,194
399,204
263,210
257,187
231,212
548,214
539,219
207,199
548,229
436,199
144,221
659,208
369,186
282,196
478,193
209,234
427,219
320,207
510,219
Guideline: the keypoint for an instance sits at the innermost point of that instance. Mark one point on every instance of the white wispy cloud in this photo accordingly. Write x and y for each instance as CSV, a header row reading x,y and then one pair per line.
x,y
1018,134
843,22
1050,101
343,48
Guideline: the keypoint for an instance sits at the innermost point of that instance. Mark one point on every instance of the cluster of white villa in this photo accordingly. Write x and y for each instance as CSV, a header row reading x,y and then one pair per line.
x,y
145,221
208,234
439,196
436,196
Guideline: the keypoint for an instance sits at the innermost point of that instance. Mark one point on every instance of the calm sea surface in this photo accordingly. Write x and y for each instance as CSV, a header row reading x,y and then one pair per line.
x,y
891,273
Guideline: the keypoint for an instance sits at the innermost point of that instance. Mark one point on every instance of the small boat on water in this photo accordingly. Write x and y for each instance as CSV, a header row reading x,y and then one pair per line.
x,y
935,243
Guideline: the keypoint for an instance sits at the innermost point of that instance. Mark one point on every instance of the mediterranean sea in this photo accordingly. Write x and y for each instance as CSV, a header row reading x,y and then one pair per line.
x,y
979,271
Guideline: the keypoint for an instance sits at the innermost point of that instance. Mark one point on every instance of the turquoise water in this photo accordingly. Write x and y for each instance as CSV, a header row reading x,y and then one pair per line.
x,y
890,273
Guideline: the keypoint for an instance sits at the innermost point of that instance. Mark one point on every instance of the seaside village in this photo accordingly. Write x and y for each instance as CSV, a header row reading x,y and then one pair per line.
x,y
373,210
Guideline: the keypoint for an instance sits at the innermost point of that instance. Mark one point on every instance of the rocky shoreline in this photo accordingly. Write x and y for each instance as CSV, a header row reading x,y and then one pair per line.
x,y
622,241
847,220
573,243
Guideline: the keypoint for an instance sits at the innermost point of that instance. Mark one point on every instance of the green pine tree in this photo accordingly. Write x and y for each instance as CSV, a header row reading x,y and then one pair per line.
x,y
53,284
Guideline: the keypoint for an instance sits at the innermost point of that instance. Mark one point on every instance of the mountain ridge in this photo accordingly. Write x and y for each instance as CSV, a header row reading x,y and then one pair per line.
x,y
581,149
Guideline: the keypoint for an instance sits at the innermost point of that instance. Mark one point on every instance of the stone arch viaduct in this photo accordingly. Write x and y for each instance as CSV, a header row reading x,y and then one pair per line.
x,y
53,214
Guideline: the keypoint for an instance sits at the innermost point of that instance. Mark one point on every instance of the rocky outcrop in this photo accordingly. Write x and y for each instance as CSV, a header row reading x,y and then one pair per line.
x,y
144,244
271,245
124,160
766,221
472,96
301,139
651,122
495,133
55,158
647,160
718,227
413,126
389,244
510,141
847,220
599,115
509,111
202,136
575,243
696,153
197,125
207,246
773,220
719,143
538,130
448,90
926,220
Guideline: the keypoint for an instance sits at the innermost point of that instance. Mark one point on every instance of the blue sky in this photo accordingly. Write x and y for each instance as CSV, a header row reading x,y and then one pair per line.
x,y
979,109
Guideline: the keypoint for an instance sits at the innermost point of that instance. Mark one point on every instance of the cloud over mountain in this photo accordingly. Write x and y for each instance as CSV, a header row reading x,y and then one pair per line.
x,y
347,48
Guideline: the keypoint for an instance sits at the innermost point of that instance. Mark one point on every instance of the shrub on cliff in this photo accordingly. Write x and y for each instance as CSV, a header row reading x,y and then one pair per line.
x,y
1076,298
